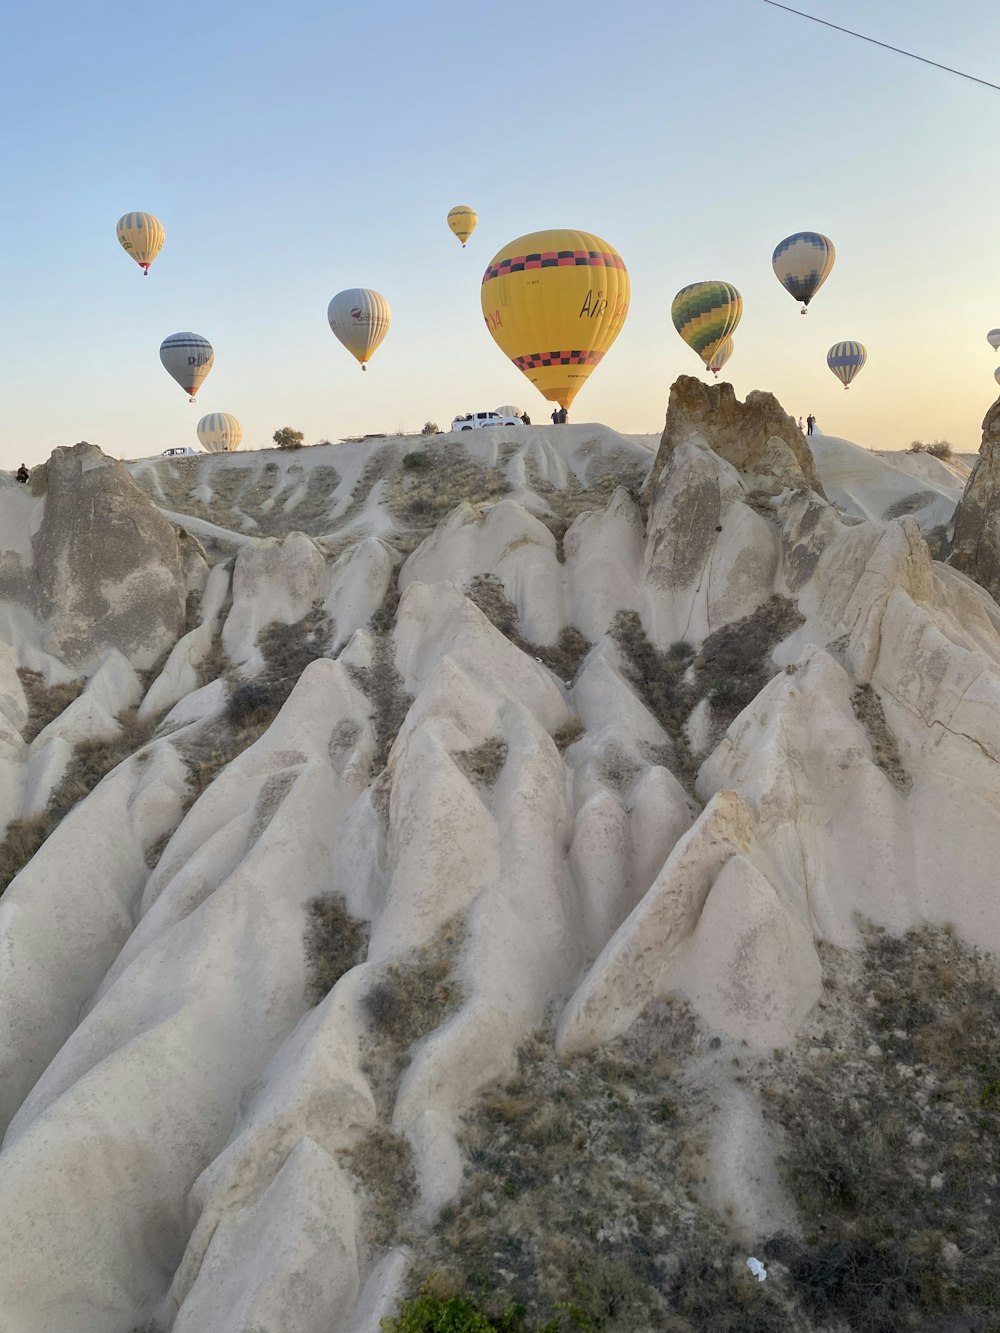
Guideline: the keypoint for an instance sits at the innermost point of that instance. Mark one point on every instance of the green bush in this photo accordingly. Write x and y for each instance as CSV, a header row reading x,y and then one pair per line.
x,y
428,1313
417,461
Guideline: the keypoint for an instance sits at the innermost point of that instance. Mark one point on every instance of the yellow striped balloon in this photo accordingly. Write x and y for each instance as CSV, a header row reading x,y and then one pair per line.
x,y
845,360
219,433
802,263
187,358
554,302
462,220
360,318
722,354
142,236
705,314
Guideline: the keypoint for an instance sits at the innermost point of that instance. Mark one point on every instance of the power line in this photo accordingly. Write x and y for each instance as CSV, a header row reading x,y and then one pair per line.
x,y
885,45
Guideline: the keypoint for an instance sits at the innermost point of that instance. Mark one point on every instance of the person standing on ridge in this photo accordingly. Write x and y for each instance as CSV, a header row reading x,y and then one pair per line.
x,y
802,426
810,423
22,473
525,419
555,416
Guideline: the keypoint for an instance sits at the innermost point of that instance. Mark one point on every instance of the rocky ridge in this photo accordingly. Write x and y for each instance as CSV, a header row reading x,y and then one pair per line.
x,y
555,732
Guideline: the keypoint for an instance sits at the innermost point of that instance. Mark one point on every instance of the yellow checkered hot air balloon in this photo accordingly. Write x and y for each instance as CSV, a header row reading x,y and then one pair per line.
x,y
142,236
462,220
554,302
705,314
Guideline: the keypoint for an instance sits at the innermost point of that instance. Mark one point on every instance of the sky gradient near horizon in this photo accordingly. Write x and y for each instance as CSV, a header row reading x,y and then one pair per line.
x,y
292,151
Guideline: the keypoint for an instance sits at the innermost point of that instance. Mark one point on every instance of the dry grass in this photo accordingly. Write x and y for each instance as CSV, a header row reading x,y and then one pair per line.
x,y
382,683
564,657
422,496
45,702
889,1102
575,1205
383,1163
91,761
411,997
334,943
483,764
569,732
885,751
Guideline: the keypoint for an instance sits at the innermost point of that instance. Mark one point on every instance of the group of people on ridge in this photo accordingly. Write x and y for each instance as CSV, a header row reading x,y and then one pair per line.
x,y
809,426
559,416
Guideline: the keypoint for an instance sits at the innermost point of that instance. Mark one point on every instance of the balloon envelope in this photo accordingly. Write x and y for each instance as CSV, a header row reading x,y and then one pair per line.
x,y
188,358
142,236
845,360
219,433
462,220
705,314
996,374
554,302
802,263
722,354
993,338
360,318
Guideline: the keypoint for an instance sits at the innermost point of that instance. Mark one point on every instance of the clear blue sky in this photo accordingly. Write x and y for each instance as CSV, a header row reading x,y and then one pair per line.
x,y
293,150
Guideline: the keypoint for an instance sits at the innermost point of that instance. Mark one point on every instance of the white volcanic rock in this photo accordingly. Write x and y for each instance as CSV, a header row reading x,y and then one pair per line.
x,y
179,676
179,1113
875,486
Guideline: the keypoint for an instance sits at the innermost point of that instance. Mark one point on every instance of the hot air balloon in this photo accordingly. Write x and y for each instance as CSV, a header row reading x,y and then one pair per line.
x,y
188,358
360,319
554,302
802,263
996,374
705,314
462,220
993,338
219,433
142,236
845,360
722,354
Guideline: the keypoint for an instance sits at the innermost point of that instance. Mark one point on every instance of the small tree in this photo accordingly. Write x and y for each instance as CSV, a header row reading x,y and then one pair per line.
x,y
431,428
286,438
940,449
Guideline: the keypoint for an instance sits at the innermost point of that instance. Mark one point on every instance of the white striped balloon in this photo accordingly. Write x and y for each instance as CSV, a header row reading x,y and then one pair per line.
x,y
722,354
360,318
219,433
142,236
187,358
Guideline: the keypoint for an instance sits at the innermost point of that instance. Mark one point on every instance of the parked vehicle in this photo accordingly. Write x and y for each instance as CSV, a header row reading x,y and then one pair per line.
x,y
178,452
480,420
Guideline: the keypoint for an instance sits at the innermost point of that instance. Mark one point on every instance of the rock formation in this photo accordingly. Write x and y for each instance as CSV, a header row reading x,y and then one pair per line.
x,y
489,780
976,542
756,436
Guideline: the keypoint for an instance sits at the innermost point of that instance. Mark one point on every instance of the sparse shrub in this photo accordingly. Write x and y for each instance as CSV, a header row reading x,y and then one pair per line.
x,y
383,1162
21,841
334,943
252,703
725,693
45,702
418,461
430,428
563,657
569,732
885,751
940,449
286,438
430,1313
382,683
483,764
916,447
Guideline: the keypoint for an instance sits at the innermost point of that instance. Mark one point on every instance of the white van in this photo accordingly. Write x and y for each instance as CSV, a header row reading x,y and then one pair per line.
x,y
177,453
480,420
